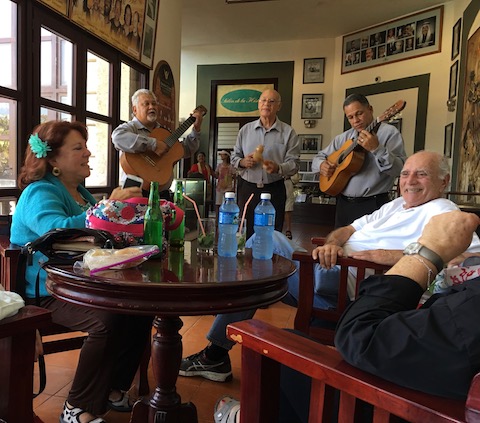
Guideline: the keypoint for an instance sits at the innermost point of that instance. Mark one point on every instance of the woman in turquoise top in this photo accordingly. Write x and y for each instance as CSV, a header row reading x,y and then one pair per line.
x,y
56,164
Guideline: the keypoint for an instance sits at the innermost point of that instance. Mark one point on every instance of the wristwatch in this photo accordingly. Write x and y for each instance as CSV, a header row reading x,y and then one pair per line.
x,y
421,250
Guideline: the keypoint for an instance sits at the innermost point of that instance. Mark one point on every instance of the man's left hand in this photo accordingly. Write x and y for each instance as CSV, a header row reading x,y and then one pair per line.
x,y
198,121
270,166
388,257
368,140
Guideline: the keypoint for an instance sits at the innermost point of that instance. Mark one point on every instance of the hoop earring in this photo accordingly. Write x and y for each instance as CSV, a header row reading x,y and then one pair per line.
x,y
56,171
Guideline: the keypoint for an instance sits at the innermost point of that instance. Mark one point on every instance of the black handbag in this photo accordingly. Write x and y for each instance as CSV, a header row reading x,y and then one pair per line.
x,y
61,245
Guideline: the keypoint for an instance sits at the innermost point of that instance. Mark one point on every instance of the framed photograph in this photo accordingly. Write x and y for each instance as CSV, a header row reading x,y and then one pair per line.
x,y
411,36
313,70
452,87
310,143
457,28
447,148
312,106
397,123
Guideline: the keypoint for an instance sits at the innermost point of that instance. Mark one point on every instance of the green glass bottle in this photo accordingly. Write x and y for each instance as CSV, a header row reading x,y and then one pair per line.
x,y
177,236
175,262
153,223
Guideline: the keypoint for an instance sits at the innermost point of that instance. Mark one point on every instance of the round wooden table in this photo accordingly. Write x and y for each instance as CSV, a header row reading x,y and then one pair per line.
x,y
168,289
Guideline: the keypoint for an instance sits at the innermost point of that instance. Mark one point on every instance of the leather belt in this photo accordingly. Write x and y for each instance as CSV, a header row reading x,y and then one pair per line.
x,y
261,184
363,199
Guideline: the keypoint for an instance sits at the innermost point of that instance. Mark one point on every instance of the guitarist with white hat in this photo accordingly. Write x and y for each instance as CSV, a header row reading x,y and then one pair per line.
x,y
360,165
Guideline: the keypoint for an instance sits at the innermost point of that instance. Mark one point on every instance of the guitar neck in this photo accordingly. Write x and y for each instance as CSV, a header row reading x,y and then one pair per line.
x,y
175,135
374,125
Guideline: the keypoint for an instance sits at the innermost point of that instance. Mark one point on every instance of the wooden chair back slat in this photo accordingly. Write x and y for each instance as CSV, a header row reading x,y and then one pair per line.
x,y
306,311
267,347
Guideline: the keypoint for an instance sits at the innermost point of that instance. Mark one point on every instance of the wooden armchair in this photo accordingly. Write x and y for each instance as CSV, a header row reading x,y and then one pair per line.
x,y
306,312
56,338
265,348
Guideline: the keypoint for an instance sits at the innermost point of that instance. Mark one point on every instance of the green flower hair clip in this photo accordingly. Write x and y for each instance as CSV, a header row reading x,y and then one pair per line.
x,y
38,147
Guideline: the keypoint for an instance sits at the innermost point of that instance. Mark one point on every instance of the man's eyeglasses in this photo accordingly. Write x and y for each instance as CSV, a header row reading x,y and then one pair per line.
x,y
268,100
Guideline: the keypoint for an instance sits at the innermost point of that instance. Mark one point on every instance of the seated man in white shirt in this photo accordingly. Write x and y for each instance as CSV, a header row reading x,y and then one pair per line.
x,y
382,236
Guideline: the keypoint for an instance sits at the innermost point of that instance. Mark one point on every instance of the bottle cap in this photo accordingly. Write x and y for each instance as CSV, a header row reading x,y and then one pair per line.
x,y
265,196
229,195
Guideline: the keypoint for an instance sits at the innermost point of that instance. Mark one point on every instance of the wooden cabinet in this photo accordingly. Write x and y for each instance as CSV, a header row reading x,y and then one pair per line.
x,y
317,214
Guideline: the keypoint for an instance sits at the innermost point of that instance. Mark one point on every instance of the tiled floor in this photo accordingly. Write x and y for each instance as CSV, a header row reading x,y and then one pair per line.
x,y
203,393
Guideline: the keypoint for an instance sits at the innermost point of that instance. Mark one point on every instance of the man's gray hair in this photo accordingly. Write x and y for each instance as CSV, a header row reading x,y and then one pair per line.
x,y
142,91
443,166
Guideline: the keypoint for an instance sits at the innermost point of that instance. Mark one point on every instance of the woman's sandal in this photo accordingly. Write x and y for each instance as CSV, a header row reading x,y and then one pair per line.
x,y
72,415
288,234
121,405
228,411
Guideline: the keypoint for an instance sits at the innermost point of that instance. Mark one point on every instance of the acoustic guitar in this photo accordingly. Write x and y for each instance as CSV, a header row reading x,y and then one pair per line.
x,y
152,167
349,158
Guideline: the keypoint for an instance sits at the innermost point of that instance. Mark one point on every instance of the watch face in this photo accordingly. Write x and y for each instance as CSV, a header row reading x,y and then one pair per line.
x,y
412,248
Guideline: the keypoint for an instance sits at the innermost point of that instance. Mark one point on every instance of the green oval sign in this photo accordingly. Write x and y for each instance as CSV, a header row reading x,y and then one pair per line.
x,y
241,100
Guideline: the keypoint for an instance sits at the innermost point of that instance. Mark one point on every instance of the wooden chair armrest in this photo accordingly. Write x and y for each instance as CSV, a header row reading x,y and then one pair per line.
x,y
265,347
317,241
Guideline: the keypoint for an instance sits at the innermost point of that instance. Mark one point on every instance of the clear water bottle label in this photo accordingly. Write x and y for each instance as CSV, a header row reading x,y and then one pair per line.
x,y
264,219
227,218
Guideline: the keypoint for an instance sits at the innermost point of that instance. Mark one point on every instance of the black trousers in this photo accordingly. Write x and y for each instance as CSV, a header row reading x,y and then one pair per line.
x,y
349,209
279,197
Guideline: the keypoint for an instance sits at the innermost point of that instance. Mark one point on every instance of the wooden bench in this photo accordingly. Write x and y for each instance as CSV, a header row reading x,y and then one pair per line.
x,y
265,348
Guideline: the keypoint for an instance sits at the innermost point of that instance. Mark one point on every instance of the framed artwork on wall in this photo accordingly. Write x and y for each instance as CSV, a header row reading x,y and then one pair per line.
x,y
310,143
457,28
452,87
129,26
447,148
314,70
312,106
411,36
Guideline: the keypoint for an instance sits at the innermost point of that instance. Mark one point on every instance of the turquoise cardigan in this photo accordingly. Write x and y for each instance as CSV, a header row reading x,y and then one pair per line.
x,y
42,206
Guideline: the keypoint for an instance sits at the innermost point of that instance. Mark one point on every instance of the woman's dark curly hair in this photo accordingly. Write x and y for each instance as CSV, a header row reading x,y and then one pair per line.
x,y
53,133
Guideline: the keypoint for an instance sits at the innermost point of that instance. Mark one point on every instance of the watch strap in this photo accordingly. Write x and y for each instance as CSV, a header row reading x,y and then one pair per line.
x,y
431,256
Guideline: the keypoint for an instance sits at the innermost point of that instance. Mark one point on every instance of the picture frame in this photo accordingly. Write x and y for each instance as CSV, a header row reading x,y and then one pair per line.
x,y
452,86
312,106
411,36
397,123
109,26
447,148
457,29
310,143
314,70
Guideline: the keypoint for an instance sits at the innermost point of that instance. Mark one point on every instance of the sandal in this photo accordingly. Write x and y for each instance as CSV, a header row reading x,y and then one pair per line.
x,y
121,405
72,415
228,411
288,234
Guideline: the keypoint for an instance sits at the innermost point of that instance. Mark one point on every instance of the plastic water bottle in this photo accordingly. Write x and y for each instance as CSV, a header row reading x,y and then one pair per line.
x,y
227,226
263,225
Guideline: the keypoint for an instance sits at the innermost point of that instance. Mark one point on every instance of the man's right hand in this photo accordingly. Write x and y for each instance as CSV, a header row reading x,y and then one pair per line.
x,y
327,255
162,148
449,234
327,168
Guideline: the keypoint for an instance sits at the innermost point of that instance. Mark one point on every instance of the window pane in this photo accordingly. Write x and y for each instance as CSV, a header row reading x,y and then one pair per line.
x,y
8,143
56,55
98,83
50,114
130,81
98,144
8,44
